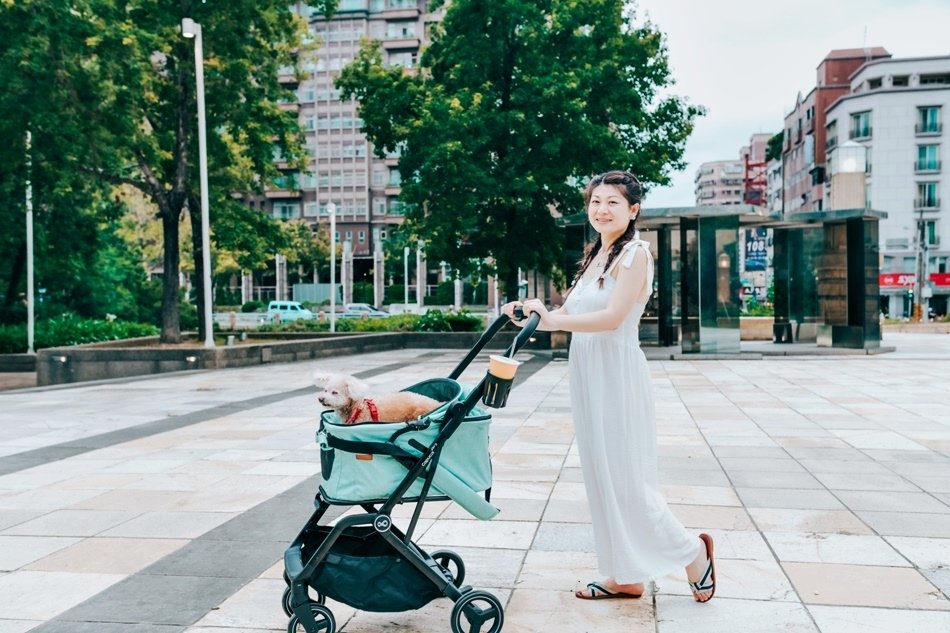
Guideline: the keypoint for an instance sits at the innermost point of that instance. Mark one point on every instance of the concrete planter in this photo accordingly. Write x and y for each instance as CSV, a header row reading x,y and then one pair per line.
x,y
119,359
17,362
756,328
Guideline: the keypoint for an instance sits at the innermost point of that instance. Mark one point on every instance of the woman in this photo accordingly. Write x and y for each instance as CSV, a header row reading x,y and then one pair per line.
x,y
636,535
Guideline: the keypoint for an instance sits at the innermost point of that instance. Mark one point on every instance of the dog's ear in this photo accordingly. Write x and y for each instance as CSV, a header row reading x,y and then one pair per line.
x,y
321,378
355,388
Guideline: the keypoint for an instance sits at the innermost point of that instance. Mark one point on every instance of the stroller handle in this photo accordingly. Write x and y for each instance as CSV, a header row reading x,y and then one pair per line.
x,y
520,341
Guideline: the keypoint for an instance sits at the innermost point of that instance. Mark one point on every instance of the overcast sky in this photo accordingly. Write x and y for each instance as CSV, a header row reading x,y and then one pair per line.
x,y
746,61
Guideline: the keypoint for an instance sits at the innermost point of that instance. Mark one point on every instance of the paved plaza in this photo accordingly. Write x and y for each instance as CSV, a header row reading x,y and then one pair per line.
x,y
164,503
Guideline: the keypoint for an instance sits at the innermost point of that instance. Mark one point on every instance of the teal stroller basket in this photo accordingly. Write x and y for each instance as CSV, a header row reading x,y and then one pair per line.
x,y
353,478
365,560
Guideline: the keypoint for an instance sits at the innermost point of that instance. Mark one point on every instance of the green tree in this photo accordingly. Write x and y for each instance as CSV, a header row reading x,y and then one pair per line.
x,y
774,149
516,102
120,108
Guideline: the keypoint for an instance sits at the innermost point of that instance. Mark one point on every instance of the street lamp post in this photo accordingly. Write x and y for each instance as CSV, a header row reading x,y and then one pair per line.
x,y
191,29
405,273
30,303
331,209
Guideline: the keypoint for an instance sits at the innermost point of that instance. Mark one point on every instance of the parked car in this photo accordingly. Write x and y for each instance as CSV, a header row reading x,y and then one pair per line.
x,y
361,310
286,311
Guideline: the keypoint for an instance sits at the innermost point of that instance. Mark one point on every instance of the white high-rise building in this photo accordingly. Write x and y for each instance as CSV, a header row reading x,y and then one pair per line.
x,y
896,110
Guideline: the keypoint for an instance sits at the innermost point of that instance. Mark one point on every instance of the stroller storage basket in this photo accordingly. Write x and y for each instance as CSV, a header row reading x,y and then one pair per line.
x,y
354,478
365,572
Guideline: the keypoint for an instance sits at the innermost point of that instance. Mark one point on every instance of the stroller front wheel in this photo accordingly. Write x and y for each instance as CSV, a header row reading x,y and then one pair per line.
x,y
445,558
326,623
285,601
480,609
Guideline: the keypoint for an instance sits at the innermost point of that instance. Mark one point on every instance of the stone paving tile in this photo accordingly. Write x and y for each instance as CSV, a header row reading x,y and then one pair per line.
x,y
863,586
867,620
856,549
907,523
108,555
789,498
681,614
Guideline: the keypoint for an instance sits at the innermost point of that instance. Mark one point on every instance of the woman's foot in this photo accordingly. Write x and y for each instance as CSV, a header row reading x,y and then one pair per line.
x,y
609,590
701,573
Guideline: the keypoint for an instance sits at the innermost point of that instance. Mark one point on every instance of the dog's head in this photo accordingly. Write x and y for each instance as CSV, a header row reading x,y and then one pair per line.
x,y
338,391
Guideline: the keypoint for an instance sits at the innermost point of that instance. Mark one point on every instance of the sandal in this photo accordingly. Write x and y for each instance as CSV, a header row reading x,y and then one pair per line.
x,y
708,580
596,591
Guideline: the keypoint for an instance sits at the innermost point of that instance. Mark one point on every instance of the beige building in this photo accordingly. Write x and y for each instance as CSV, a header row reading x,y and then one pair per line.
x,y
342,167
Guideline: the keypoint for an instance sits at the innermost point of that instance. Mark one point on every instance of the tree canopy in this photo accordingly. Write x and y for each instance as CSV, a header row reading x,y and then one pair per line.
x,y
107,88
514,105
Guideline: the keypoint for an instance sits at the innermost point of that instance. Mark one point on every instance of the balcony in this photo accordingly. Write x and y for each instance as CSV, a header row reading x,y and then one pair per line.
x,y
860,133
400,43
926,166
831,142
925,204
928,129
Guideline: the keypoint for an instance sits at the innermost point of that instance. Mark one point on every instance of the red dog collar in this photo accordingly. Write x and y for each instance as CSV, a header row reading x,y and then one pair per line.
x,y
373,412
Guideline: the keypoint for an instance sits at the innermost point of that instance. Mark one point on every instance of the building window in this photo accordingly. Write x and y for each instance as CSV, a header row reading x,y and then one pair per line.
x,y
936,79
310,209
831,135
349,236
401,30
874,84
361,236
860,125
927,195
379,206
927,158
930,232
928,120
286,210
395,178
900,81
406,59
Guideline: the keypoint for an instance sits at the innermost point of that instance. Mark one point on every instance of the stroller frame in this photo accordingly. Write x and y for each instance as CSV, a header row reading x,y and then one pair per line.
x,y
308,554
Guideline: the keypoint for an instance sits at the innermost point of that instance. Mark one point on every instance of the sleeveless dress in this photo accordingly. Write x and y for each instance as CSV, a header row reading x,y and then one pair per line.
x,y
636,536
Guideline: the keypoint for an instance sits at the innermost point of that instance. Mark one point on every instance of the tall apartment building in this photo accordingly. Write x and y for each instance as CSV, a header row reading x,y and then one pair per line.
x,y
803,151
723,182
895,109
342,167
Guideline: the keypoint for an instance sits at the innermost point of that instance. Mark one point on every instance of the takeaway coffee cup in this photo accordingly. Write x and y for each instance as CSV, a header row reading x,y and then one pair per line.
x,y
501,373
502,366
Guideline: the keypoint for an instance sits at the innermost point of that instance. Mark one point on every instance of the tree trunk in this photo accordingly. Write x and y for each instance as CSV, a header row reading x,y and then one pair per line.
x,y
171,325
511,284
16,276
194,215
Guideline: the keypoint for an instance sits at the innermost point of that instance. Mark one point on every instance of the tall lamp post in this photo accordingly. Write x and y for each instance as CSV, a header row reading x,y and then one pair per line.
x,y
30,303
192,30
331,209
405,274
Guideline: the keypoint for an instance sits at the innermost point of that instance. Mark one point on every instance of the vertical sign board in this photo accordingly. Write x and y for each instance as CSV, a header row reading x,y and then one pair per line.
x,y
756,249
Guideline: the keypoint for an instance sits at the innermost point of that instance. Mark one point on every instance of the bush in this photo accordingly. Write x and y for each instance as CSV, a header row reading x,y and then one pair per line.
x,y
252,306
395,323
70,329
755,309
438,321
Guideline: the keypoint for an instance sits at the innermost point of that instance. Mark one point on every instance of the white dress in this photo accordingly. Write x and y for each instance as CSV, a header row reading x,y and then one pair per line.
x,y
636,535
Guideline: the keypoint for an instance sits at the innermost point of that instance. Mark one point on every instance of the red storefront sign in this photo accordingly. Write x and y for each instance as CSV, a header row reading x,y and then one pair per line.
x,y
907,280
897,280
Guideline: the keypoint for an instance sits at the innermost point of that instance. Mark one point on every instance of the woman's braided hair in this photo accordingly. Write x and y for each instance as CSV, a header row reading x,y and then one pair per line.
x,y
630,188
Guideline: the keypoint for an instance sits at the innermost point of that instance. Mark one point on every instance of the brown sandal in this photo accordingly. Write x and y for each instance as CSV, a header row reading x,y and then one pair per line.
x,y
708,580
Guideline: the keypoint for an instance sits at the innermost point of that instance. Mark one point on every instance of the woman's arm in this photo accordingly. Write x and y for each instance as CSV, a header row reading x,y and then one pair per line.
x,y
630,289
509,309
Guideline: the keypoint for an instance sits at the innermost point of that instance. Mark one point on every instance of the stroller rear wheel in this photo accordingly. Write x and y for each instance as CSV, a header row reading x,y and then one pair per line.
x,y
445,558
480,609
285,600
326,623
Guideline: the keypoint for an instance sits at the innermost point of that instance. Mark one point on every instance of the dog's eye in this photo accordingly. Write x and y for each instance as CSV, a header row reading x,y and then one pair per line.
x,y
335,392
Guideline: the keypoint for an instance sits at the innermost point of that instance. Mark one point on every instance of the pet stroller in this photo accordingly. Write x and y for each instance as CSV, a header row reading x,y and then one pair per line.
x,y
365,560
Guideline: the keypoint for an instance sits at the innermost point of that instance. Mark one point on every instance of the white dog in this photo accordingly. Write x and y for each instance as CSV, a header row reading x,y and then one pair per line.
x,y
347,395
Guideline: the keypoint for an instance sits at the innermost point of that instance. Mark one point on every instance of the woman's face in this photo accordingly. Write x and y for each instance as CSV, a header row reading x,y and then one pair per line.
x,y
609,212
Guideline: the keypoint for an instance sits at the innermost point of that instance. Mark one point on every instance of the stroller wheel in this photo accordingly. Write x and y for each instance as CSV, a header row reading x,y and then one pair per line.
x,y
285,600
479,609
445,558
324,617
